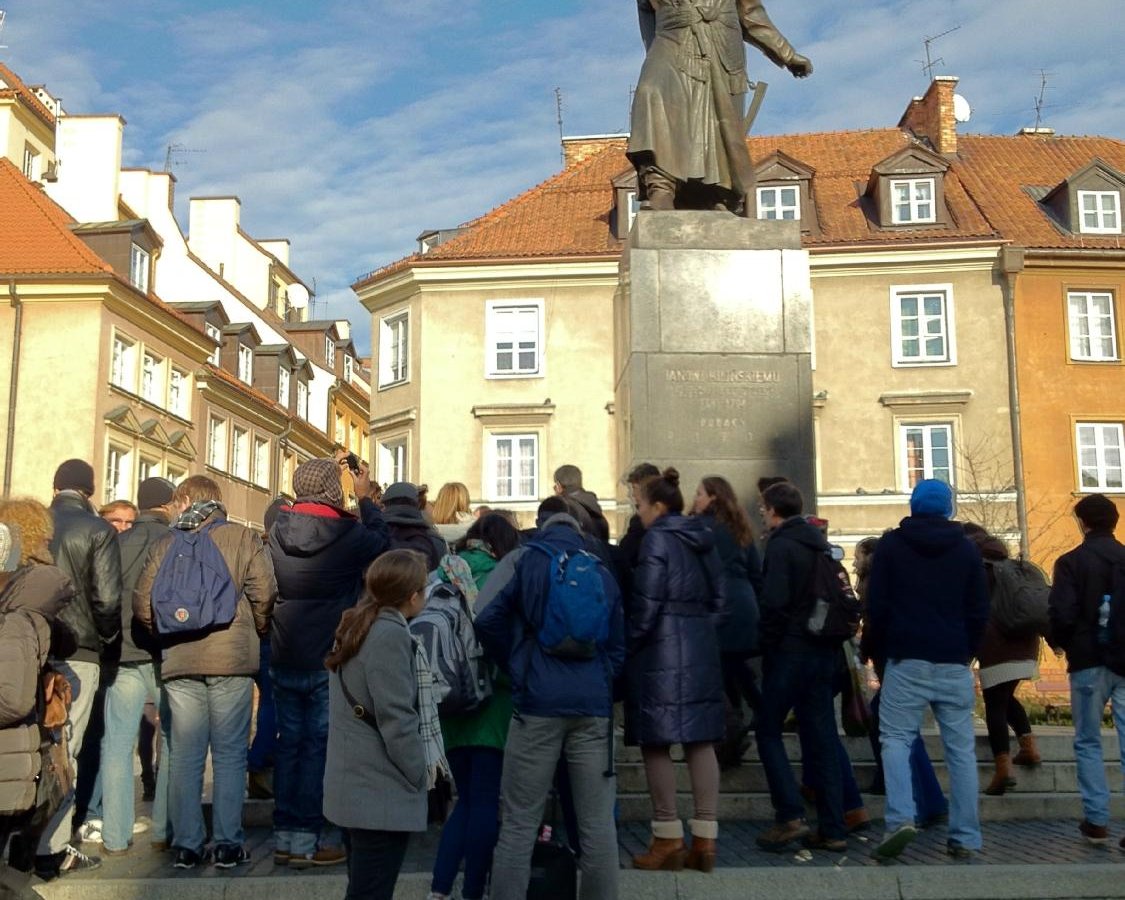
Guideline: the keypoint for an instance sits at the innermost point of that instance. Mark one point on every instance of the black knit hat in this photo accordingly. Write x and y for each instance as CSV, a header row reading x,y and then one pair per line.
x,y
154,492
1097,512
75,475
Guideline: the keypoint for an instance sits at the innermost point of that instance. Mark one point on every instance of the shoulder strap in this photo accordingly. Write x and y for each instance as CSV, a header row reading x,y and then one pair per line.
x,y
358,709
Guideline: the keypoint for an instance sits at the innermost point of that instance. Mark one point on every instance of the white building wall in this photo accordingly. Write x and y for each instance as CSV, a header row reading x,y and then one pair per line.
x,y
88,149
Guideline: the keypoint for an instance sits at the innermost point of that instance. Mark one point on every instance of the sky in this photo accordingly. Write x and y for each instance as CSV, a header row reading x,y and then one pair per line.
x,y
351,126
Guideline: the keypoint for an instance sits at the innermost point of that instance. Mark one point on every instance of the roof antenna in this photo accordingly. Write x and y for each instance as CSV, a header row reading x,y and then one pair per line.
x,y
559,115
2,15
174,150
931,64
1039,104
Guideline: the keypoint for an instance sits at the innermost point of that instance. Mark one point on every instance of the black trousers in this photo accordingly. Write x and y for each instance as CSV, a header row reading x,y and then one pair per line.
x,y
1001,709
374,861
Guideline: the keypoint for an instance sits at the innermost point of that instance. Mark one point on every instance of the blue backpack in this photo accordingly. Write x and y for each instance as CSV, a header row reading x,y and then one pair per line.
x,y
193,590
576,613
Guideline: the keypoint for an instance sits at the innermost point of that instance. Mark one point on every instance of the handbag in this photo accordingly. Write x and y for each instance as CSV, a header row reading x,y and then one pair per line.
x,y
855,715
439,800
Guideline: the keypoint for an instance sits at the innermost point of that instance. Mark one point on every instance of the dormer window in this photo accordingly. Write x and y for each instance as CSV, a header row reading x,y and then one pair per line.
x,y
779,202
283,386
139,268
912,200
329,352
302,400
245,363
216,334
1099,212
349,367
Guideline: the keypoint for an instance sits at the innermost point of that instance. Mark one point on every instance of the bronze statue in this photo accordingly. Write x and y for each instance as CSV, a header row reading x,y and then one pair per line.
x,y
688,133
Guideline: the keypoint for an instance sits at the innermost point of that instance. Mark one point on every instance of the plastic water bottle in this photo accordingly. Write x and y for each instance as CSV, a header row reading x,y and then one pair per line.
x,y
1103,620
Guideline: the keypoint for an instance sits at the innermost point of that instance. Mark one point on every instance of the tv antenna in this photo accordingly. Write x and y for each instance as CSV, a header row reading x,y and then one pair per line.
x,y
173,151
559,116
1039,104
931,64
2,14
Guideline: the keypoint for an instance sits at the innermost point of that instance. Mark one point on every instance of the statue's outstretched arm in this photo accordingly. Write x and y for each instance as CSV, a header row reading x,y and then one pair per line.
x,y
759,30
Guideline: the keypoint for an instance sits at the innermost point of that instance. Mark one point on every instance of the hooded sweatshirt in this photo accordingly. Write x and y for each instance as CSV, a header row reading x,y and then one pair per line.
x,y
788,566
928,594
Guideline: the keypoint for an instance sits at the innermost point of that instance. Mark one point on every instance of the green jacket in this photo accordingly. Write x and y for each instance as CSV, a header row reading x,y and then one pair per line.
x,y
487,726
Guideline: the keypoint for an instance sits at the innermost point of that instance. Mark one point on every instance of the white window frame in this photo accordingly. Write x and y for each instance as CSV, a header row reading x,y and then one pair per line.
x,y
928,468
349,367
914,202
775,204
329,352
303,400
152,377
949,333
176,475
1088,316
493,456
341,430
31,168
118,471
394,334
178,393
245,363
261,461
1108,219
283,386
146,468
496,328
393,459
123,363
217,440
216,334
1103,451
139,267
240,453
632,207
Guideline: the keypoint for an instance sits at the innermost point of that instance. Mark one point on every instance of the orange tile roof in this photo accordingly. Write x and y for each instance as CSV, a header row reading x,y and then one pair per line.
x,y
986,190
18,90
997,171
35,235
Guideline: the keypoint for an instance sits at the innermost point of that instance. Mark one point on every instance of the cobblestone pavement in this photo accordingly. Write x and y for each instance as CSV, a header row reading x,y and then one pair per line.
x,y
1005,843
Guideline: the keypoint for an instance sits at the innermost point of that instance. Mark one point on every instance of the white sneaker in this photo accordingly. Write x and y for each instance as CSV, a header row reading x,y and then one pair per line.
x,y
90,831
140,826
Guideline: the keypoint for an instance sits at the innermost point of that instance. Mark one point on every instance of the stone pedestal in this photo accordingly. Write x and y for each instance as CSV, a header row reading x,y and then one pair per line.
x,y
713,350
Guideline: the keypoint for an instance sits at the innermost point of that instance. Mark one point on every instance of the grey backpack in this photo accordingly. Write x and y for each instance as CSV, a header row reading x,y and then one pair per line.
x,y
462,674
24,639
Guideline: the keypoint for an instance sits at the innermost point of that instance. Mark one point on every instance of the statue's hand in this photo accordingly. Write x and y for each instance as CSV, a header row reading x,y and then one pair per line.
x,y
800,66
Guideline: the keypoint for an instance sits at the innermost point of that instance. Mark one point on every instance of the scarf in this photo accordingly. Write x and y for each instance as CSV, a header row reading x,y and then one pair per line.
x,y
429,727
196,514
457,572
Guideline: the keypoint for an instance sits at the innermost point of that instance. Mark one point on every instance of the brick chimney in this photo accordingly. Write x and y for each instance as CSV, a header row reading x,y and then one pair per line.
x,y
931,116
579,149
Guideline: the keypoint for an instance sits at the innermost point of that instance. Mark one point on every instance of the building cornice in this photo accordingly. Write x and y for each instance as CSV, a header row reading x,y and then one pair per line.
x,y
903,260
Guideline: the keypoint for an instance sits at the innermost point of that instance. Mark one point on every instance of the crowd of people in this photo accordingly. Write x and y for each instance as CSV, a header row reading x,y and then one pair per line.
x,y
156,620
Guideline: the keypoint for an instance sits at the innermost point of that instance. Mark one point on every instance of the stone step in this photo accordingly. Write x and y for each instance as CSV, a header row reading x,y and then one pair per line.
x,y
750,777
636,807
1054,746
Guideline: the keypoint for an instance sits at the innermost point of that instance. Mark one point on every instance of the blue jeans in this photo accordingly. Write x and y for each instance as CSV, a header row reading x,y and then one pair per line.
x,y
211,711
802,682
124,706
908,686
472,829
300,700
1090,690
929,799
264,745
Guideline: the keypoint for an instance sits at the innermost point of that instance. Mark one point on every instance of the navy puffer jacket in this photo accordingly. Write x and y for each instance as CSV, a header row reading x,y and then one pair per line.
x,y
674,692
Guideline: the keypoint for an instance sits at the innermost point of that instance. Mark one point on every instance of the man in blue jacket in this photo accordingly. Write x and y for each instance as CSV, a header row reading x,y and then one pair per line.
x,y
562,705
927,608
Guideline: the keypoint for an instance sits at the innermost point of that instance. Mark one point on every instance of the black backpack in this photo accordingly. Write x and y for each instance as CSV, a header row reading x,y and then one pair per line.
x,y
1113,649
1019,598
833,607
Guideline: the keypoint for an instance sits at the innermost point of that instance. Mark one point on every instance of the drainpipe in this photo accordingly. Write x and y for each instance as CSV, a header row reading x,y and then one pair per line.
x,y
1011,264
13,384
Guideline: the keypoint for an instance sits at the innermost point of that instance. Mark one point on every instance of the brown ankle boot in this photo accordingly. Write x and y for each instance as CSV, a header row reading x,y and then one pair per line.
x,y
1001,777
1029,752
701,856
666,852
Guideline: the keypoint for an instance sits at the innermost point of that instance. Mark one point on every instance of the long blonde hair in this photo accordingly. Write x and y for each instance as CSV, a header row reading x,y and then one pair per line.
x,y
453,498
391,581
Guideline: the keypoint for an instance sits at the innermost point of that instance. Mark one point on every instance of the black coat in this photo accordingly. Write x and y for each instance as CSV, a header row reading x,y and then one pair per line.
x,y
784,601
674,680
409,530
138,643
739,634
319,558
85,548
1082,577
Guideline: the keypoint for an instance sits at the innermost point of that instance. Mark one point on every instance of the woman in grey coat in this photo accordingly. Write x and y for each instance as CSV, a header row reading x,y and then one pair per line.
x,y
376,778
